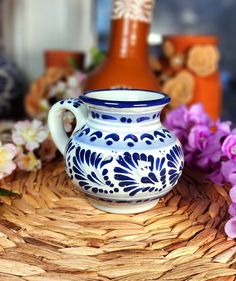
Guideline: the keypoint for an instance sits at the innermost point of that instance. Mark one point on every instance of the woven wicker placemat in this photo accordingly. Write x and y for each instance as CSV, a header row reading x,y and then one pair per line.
x,y
51,233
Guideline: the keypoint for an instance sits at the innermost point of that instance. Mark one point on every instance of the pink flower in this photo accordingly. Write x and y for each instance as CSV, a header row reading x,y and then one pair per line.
x,y
198,137
177,118
210,147
173,123
230,227
232,194
228,169
30,134
229,147
216,176
224,127
7,165
180,134
197,115
232,209
212,154
81,76
28,162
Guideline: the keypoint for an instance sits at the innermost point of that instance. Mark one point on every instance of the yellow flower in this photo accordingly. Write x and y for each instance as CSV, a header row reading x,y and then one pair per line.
x,y
203,60
28,162
180,88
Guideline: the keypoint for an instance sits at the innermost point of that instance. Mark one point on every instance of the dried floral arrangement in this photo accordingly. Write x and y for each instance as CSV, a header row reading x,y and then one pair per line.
x,y
53,85
25,145
208,146
179,76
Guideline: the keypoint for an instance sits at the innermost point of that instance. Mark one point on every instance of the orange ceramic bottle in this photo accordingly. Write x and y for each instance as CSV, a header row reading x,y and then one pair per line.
x,y
200,58
127,64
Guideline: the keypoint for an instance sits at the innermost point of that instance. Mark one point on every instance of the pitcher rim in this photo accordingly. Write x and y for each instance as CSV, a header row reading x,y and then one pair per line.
x,y
165,99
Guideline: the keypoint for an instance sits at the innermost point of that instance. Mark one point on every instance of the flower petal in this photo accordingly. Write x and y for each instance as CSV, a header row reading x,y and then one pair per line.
x,y
41,136
36,124
230,227
12,150
17,139
232,194
32,145
228,170
232,209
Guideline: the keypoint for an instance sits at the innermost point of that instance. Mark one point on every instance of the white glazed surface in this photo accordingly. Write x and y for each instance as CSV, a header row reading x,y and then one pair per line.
x,y
122,158
140,10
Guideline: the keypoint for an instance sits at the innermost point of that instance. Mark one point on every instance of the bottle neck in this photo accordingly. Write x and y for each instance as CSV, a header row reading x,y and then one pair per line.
x,y
129,39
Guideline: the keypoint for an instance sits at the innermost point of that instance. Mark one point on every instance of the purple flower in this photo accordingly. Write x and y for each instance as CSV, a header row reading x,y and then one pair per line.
x,y
189,157
177,118
228,170
177,121
181,134
197,115
229,147
224,127
232,209
232,194
216,176
230,227
198,137
212,153
209,146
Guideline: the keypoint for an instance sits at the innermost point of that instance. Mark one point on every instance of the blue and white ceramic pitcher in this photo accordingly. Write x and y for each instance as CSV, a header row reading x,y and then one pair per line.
x,y
119,154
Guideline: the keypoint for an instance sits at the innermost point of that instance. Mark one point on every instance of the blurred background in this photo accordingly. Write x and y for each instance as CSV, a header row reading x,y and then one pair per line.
x,y
29,27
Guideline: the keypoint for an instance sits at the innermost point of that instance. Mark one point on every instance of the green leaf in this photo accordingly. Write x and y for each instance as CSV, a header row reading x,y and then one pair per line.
x,y
97,57
5,192
72,63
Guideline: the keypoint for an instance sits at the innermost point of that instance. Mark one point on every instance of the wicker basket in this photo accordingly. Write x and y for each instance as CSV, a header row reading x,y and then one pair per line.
x,y
51,233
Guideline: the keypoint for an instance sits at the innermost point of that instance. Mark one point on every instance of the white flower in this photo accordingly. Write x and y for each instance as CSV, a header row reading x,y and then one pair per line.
x,y
73,81
30,134
58,89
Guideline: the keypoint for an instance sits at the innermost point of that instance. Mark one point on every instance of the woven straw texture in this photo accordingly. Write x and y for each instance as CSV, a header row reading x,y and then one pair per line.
x,y
51,233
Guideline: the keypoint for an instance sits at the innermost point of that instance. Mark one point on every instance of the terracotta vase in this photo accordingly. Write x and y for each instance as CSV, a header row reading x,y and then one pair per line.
x,y
64,59
127,64
197,55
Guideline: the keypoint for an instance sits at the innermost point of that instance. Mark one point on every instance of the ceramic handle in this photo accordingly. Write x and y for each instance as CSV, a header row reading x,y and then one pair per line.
x,y
55,120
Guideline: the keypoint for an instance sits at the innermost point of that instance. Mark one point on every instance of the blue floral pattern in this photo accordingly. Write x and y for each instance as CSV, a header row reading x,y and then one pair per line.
x,y
134,174
139,173
90,170
121,156
175,163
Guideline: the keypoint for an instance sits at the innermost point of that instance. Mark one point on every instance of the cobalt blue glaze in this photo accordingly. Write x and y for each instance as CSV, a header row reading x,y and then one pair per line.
x,y
127,174
120,154
125,104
